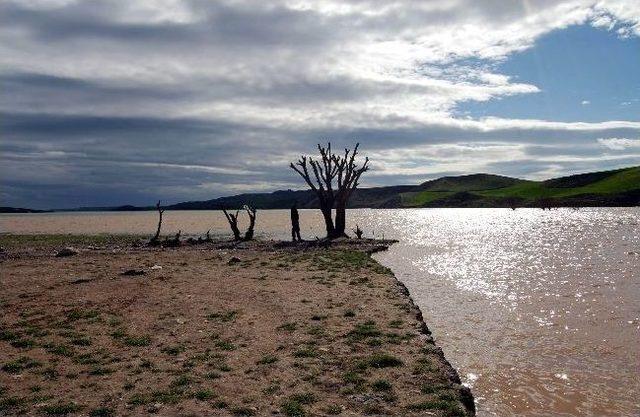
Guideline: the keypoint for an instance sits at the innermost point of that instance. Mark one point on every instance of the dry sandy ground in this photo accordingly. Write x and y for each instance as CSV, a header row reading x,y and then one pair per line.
x,y
277,331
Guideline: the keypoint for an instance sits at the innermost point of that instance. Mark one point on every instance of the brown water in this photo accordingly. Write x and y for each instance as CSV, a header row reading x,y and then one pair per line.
x,y
538,311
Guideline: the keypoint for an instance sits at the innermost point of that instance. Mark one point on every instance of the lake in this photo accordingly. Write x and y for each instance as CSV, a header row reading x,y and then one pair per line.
x,y
538,310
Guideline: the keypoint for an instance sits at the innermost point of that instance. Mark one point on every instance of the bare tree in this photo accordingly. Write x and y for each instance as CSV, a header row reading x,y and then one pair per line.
x,y
512,202
248,235
344,171
233,223
155,238
358,231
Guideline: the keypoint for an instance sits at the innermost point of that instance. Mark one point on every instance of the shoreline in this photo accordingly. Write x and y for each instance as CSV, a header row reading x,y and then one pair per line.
x,y
357,364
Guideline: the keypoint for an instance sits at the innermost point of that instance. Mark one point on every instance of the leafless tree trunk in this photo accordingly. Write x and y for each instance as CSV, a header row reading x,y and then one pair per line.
x,y
160,212
329,169
358,231
233,223
348,176
252,222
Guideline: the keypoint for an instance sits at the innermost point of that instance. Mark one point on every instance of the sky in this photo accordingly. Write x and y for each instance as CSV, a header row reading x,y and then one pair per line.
x,y
117,102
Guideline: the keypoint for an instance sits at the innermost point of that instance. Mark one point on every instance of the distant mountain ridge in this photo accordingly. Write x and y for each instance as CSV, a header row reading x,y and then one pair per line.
x,y
620,187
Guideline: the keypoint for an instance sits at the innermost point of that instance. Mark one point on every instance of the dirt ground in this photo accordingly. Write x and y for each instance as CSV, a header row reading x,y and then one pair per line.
x,y
213,329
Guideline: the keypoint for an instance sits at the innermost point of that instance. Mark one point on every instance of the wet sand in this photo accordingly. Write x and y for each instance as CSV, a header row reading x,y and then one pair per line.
x,y
213,329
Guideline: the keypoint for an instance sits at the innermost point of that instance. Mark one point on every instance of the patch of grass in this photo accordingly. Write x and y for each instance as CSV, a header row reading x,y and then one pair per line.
x,y
242,411
349,313
163,397
61,409
23,343
225,345
333,410
100,371
86,359
16,366
203,395
374,342
61,350
76,314
102,412
452,409
315,330
166,397
353,378
306,352
173,350
380,360
423,365
137,341
181,381
81,341
364,330
395,323
292,408
267,360
220,404
381,385
12,402
223,316
118,333
271,389
8,335
288,327
432,388
138,399
50,374
304,398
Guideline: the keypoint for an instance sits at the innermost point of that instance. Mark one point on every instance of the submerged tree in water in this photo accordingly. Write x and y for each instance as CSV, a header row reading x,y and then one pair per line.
x,y
155,238
251,212
232,218
333,179
233,223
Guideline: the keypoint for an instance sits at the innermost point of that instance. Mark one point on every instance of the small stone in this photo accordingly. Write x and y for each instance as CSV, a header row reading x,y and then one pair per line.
x,y
69,251
234,260
132,272
156,267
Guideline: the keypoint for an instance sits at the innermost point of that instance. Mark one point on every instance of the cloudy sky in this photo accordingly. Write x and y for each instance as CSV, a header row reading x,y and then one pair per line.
x,y
117,102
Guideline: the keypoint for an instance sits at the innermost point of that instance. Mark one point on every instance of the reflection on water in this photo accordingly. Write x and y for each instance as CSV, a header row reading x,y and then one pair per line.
x,y
539,311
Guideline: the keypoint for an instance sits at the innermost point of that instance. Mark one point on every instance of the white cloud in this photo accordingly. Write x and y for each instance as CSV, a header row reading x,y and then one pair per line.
x,y
585,102
619,144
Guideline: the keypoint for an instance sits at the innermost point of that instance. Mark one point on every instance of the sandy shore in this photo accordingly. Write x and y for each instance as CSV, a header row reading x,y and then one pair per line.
x,y
213,329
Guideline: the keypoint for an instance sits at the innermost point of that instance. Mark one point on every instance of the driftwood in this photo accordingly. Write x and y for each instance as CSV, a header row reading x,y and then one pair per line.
x,y
172,243
334,179
154,239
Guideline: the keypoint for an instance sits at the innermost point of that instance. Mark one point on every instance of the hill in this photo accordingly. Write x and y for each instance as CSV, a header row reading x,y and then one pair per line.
x,y
19,210
620,187
606,188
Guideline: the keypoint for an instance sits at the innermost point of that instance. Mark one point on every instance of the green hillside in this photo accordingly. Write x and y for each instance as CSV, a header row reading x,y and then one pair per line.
x,y
617,187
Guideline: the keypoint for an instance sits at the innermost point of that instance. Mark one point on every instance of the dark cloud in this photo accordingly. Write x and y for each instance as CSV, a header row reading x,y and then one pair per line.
x,y
115,102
